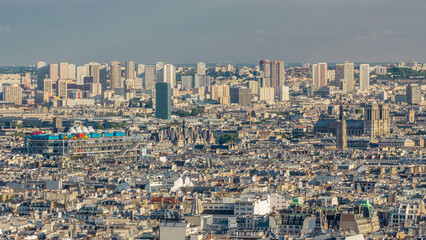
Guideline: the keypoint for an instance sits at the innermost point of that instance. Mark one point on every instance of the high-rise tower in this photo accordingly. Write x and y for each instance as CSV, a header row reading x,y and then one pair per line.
x,y
149,77
277,75
116,76
319,75
364,76
345,76
130,70
413,94
42,72
53,72
265,67
163,100
63,70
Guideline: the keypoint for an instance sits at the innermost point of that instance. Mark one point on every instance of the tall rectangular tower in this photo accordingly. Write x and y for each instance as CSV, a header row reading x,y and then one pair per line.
x,y
242,96
413,94
72,71
265,67
159,72
169,74
62,89
320,75
315,76
349,76
63,70
149,77
47,87
130,70
42,72
277,75
81,73
163,95
116,76
345,76
95,71
339,73
364,76
53,72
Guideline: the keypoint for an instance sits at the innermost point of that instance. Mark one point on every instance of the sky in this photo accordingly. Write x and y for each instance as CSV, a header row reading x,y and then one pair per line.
x,y
212,31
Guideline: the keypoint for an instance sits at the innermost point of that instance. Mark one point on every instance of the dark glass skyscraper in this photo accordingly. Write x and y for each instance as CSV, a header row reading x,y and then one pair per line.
x,y
163,100
242,96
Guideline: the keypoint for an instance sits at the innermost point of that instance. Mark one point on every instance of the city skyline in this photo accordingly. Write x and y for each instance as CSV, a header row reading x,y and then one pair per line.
x,y
212,119
224,31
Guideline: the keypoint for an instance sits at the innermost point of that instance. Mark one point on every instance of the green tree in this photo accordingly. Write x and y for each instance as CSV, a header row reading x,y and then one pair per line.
x,y
182,113
175,123
196,112
227,138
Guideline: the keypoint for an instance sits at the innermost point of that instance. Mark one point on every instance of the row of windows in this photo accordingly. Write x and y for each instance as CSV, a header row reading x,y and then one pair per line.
x,y
244,209
403,216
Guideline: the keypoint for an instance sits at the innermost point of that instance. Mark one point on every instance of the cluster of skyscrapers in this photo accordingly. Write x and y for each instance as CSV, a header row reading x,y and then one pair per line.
x,y
342,77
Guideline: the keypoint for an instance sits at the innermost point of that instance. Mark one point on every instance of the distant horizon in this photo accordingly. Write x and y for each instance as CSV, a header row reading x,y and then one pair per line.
x,y
211,30
212,64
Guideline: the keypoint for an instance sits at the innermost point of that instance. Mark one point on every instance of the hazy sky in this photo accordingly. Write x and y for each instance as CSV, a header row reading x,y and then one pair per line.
x,y
187,31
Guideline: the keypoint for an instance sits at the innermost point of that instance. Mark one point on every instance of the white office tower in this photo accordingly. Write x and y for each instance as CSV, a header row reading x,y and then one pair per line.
x,y
267,94
71,71
53,72
158,72
283,93
277,75
81,73
345,74
12,94
63,70
319,75
364,76
140,70
315,75
95,71
169,74
201,68
349,76
42,72
149,77
254,86
115,81
130,70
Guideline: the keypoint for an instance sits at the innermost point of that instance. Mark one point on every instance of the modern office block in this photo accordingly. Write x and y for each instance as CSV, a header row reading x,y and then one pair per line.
x,y
163,100
364,76
241,96
413,94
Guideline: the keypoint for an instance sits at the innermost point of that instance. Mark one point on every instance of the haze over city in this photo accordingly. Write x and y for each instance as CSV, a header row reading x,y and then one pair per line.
x,y
187,31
